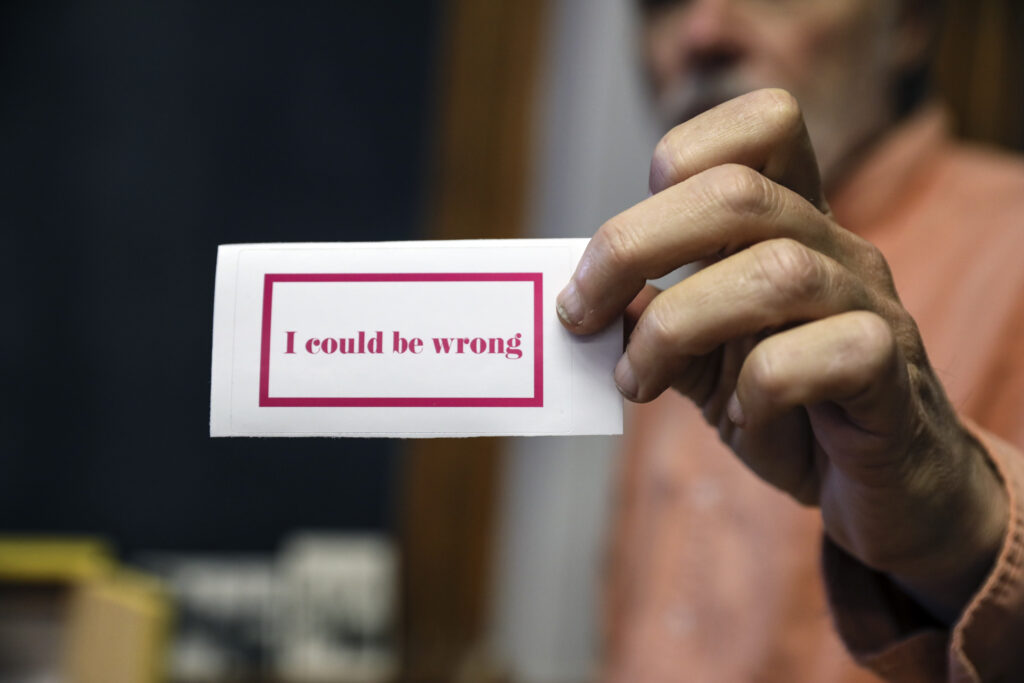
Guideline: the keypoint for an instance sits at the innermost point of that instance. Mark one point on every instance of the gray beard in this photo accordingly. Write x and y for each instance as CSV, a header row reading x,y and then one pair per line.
x,y
686,98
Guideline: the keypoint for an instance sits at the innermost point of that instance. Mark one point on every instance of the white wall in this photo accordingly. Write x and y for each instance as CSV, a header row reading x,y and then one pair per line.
x,y
593,147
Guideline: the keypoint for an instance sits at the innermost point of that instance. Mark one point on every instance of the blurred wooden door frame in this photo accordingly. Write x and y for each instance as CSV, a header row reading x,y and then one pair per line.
x,y
979,69
486,86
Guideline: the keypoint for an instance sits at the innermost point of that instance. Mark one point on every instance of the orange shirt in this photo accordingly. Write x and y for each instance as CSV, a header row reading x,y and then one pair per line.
x,y
715,576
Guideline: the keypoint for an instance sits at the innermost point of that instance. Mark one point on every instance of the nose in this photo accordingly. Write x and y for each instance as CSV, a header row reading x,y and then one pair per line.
x,y
706,33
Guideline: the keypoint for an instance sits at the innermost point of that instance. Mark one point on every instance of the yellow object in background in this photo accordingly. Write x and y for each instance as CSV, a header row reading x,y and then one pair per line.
x,y
107,624
26,559
118,630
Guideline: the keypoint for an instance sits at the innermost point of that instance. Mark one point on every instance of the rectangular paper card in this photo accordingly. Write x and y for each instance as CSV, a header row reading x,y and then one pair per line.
x,y
405,339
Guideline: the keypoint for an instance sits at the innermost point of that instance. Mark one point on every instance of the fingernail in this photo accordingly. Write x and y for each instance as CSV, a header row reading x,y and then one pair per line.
x,y
569,306
735,411
625,378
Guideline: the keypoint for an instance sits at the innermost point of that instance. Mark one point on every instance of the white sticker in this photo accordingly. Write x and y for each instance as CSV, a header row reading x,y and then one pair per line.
x,y
405,339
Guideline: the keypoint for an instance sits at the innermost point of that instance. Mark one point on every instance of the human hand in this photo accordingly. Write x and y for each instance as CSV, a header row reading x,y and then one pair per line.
x,y
794,343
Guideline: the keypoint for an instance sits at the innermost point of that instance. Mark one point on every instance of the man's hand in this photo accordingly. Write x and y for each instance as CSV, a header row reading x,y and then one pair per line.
x,y
793,341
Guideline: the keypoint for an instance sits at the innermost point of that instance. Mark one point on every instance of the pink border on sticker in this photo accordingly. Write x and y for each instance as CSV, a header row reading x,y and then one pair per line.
x,y
535,401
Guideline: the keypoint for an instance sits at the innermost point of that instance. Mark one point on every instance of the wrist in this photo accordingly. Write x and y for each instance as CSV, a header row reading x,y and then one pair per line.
x,y
973,527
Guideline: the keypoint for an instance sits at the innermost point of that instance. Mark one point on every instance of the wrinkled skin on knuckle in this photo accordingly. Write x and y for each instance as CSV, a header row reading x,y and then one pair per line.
x,y
876,274
879,266
617,244
791,269
780,112
873,264
743,191
906,334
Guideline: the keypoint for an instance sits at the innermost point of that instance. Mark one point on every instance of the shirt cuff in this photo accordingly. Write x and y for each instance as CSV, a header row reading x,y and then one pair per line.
x,y
889,633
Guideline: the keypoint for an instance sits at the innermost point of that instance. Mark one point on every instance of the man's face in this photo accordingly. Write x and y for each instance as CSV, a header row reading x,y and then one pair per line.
x,y
837,57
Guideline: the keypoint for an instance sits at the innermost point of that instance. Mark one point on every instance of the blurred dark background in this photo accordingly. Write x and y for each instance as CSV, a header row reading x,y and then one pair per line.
x,y
135,138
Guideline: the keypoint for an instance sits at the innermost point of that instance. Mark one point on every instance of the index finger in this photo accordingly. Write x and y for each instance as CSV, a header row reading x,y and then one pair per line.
x,y
762,130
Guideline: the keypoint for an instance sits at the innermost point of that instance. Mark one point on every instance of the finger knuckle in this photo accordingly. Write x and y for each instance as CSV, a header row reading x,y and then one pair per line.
x,y
875,263
905,333
762,373
743,191
873,331
876,260
664,161
618,243
873,340
779,109
656,329
791,269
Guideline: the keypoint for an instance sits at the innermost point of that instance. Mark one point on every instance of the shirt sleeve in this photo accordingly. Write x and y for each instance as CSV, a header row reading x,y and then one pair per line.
x,y
888,633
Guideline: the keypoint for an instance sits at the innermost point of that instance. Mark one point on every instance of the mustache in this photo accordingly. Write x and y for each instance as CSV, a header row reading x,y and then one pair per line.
x,y
695,93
